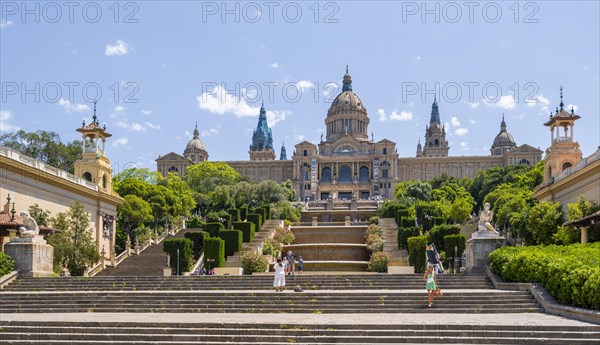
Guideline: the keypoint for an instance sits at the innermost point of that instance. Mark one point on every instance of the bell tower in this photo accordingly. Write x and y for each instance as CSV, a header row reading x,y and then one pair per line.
x,y
564,151
94,166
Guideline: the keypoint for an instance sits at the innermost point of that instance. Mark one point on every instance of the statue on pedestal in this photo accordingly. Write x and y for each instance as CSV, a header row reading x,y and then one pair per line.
x,y
485,219
29,228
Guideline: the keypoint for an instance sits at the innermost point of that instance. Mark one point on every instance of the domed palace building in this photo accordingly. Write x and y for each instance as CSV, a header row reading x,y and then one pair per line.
x,y
347,162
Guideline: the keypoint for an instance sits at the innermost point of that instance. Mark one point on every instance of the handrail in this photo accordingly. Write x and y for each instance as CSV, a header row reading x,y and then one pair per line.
x,y
197,266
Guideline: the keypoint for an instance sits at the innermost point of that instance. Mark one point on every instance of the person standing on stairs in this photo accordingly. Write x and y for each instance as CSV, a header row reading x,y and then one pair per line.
x,y
430,283
279,280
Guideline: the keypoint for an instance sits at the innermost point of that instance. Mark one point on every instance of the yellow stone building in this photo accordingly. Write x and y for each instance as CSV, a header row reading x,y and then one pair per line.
x,y
347,164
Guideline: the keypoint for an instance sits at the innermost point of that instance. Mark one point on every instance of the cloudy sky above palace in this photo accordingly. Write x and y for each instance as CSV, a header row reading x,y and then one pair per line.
x,y
163,66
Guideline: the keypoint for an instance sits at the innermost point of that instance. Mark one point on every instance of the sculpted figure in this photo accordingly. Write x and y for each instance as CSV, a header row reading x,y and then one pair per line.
x,y
30,227
485,219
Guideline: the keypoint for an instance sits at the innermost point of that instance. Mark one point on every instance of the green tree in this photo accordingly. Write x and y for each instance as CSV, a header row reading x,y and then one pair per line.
x,y
74,247
140,174
133,212
286,211
184,195
413,189
41,216
544,221
203,177
45,146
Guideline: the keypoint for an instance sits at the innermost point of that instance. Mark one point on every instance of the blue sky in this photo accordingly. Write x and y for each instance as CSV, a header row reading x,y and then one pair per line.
x,y
162,66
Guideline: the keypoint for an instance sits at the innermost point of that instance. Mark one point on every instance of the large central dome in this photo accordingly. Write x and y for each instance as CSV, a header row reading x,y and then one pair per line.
x,y
347,102
347,114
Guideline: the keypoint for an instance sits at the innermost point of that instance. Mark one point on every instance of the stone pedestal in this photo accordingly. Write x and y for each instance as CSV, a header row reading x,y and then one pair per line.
x,y
33,256
481,244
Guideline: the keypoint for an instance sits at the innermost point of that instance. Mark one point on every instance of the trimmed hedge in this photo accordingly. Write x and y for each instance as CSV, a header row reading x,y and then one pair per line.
x,y
235,214
438,232
214,228
400,213
406,222
195,223
7,264
233,241
256,219
571,274
243,213
416,252
197,237
451,241
186,253
267,212
214,248
405,233
247,229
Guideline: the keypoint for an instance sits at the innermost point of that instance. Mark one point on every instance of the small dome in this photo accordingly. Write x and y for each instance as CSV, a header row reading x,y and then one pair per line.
x,y
504,138
195,144
347,102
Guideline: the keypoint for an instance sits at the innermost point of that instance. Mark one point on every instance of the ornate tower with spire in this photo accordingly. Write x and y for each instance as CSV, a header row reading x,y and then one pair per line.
x,y
436,144
419,149
195,150
283,155
503,142
94,166
262,139
564,151
347,115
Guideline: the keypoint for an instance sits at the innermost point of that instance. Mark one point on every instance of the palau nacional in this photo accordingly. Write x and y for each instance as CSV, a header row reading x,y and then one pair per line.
x,y
347,163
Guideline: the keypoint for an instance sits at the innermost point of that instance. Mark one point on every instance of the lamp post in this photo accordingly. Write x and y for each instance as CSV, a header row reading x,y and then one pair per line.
x,y
209,262
455,258
177,261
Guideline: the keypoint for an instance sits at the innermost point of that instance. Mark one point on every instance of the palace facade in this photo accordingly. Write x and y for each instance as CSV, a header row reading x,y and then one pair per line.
x,y
347,163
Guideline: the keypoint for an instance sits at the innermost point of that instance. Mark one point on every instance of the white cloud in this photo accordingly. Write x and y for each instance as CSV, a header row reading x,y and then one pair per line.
x,y
472,121
402,116
188,134
464,146
473,105
146,112
209,132
538,100
461,131
454,121
305,84
505,102
418,58
6,116
221,102
133,126
275,65
299,137
153,126
69,107
382,115
120,142
329,89
117,111
119,48
5,23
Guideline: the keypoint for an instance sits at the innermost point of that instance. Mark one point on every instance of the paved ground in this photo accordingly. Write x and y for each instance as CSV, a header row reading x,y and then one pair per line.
x,y
529,319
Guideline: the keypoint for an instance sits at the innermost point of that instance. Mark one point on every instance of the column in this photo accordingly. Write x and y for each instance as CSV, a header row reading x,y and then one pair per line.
x,y
584,237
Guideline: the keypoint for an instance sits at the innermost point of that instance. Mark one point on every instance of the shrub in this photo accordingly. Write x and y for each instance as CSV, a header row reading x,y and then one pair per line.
x,y
571,274
253,261
235,214
373,238
285,210
405,233
197,237
186,253
451,241
267,212
7,264
194,223
407,222
283,235
214,248
272,247
214,228
247,229
233,241
256,219
374,220
379,262
438,232
243,212
416,252
402,212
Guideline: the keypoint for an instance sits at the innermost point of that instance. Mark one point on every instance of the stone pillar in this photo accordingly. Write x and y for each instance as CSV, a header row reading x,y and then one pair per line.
x,y
347,221
584,236
314,221
33,256
481,244
128,246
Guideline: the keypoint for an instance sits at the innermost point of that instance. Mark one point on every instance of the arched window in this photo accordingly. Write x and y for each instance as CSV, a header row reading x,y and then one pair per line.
x,y
566,165
87,176
385,169
437,142
173,169
385,150
104,181
524,161
363,174
326,174
305,153
345,173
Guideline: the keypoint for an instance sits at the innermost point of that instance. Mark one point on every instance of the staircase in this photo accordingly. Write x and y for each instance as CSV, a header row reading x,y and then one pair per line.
x,y
267,231
150,262
346,309
389,232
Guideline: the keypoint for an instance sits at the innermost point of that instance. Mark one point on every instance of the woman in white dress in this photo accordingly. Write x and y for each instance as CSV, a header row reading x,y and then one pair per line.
x,y
279,280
